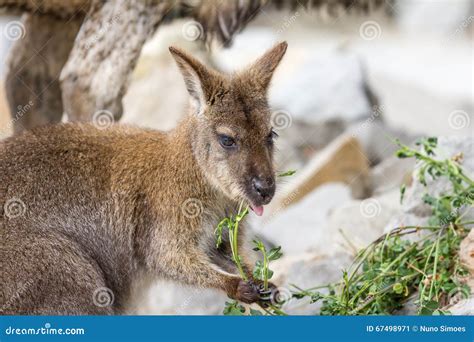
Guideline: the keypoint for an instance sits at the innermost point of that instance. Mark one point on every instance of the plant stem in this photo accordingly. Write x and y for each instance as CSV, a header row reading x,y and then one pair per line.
x,y
233,237
265,268
435,266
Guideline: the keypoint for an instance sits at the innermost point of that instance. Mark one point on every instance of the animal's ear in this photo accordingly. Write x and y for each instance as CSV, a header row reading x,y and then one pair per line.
x,y
197,77
262,70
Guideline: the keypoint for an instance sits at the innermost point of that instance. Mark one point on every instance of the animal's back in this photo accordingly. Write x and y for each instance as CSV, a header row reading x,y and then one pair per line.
x,y
57,199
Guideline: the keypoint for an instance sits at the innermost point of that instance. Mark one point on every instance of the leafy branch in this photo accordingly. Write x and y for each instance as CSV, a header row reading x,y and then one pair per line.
x,y
261,270
232,224
392,270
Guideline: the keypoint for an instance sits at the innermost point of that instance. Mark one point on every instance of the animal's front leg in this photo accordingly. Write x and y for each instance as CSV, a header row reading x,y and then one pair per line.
x,y
191,265
222,256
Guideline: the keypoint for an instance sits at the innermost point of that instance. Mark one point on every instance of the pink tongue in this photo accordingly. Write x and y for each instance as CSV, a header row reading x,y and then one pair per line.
x,y
258,210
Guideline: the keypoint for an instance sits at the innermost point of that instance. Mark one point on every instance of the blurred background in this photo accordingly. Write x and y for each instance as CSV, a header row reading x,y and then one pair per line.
x,y
347,86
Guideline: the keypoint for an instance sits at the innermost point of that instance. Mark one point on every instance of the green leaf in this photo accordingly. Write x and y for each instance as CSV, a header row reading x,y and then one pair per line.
x,y
259,246
254,312
275,253
402,192
233,308
404,153
225,223
429,308
398,288
287,173
258,271
433,141
428,199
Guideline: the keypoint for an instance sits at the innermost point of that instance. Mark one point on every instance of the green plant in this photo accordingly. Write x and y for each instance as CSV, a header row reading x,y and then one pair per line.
x,y
392,269
232,224
261,271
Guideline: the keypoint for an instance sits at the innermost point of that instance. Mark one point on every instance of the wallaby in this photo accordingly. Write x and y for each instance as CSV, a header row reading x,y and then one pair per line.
x,y
85,209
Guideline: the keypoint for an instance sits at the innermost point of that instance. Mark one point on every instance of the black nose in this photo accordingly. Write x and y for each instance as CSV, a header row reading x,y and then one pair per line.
x,y
265,188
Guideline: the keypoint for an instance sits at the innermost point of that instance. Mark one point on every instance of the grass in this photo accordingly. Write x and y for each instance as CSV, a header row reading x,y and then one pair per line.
x,y
394,270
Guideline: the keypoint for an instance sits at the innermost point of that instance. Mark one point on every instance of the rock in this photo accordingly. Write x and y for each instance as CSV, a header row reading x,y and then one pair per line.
x,y
356,224
307,270
312,101
390,174
169,298
463,307
302,227
466,253
342,161
463,301
319,114
435,16
376,137
298,143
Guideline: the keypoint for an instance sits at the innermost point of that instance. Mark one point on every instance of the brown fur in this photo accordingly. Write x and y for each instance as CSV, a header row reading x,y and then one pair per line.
x,y
105,208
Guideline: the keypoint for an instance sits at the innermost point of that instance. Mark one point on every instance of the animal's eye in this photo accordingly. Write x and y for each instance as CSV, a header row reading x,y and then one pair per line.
x,y
226,141
273,135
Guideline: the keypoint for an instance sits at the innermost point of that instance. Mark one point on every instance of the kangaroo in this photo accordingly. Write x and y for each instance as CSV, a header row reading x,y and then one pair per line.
x,y
87,212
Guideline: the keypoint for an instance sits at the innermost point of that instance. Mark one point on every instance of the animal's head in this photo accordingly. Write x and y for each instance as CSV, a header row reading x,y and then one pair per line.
x,y
233,136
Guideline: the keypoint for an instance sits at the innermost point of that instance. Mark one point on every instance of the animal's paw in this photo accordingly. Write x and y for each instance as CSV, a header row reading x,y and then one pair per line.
x,y
253,291
267,296
247,292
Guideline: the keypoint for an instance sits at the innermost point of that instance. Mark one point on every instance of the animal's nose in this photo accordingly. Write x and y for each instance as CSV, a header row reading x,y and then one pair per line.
x,y
265,188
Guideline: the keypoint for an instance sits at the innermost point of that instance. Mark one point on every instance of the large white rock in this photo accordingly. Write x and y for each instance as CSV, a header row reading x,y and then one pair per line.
x,y
170,298
354,225
307,270
302,227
